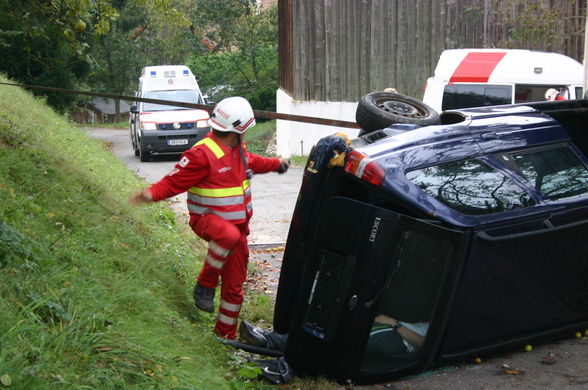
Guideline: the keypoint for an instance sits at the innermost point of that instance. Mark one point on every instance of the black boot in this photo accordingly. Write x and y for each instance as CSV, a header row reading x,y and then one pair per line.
x,y
204,298
251,335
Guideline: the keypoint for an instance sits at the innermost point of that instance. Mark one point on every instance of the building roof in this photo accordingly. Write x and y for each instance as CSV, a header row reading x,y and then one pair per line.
x,y
106,106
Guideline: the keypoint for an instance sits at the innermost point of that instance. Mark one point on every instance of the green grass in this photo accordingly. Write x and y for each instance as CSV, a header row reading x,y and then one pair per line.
x,y
259,136
93,293
124,124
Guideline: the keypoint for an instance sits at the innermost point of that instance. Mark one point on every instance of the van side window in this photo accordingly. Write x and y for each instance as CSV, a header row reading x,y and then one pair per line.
x,y
535,93
475,95
556,173
471,187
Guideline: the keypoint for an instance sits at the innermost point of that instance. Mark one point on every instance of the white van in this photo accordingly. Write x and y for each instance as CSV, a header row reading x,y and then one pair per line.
x,y
486,77
158,128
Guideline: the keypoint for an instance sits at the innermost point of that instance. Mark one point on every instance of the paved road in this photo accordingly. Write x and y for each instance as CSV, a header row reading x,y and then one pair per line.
x,y
274,195
560,365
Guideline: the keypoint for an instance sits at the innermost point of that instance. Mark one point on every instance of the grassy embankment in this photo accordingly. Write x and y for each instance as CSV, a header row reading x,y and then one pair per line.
x,y
94,293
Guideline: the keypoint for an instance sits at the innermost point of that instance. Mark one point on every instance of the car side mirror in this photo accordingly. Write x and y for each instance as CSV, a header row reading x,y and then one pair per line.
x,y
134,109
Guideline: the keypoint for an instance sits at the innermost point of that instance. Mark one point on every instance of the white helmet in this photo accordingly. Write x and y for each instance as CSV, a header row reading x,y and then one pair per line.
x,y
232,114
551,94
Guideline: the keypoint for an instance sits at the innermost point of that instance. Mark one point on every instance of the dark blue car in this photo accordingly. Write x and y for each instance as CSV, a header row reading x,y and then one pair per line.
x,y
438,239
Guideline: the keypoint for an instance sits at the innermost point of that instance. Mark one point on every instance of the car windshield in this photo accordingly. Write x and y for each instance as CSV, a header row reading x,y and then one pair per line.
x,y
180,95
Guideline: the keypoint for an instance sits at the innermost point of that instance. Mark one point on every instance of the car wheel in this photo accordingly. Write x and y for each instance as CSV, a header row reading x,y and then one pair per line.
x,y
144,154
378,110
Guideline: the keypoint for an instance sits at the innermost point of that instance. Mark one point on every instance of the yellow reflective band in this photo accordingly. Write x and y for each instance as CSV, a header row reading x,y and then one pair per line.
x,y
217,192
246,183
214,148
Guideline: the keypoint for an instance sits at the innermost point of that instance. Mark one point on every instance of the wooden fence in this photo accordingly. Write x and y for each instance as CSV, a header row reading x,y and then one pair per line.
x,y
338,50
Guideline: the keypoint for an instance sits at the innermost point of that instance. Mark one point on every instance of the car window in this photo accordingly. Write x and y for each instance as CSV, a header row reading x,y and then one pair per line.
x,y
556,173
475,95
471,187
408,300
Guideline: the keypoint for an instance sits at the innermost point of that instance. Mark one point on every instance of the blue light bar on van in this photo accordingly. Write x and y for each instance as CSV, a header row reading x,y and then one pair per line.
x,y
185,72
153,73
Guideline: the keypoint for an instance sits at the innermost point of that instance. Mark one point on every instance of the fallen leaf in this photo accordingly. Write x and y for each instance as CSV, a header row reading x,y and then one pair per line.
x,y
548,361
512,372
180,358
6,380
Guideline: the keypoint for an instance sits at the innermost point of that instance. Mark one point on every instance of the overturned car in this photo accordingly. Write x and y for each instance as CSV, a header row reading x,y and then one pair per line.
x,y
431,239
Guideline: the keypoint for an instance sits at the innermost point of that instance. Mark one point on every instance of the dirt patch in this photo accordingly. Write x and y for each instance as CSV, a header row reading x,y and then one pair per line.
x,y
264,273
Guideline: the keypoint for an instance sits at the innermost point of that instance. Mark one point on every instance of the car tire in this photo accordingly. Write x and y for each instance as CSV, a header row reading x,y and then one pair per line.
x,y
134,143
144,154
378,110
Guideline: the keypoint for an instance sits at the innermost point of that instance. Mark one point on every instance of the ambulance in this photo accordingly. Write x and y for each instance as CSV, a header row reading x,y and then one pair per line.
x,y
166,128
486,77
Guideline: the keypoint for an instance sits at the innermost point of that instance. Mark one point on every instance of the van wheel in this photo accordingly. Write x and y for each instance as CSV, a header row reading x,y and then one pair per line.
x,y
135,146
378,110
144,154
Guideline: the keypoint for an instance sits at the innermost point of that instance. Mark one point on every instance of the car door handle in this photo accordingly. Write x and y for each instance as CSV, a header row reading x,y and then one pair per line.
x,y
489,136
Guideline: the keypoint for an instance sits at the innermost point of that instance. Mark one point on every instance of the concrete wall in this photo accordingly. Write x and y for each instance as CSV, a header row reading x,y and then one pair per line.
x,y
297,138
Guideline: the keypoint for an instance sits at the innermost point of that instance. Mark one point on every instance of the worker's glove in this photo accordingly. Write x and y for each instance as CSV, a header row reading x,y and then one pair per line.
x,y
284,165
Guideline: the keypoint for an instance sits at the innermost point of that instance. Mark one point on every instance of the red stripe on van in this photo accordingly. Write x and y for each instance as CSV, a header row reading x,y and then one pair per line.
x,y
476,67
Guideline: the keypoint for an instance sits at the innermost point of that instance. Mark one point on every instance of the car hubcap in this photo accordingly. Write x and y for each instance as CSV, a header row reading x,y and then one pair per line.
x,y
400,109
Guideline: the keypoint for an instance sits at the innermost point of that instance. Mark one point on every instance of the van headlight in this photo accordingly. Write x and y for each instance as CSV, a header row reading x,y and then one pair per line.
x,y
148,126
202,123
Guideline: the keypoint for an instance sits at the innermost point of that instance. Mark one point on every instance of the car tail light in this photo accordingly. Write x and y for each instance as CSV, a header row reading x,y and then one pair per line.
x,y
360,165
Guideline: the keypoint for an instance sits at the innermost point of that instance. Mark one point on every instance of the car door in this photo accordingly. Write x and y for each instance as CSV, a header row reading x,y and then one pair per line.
x,y
526,279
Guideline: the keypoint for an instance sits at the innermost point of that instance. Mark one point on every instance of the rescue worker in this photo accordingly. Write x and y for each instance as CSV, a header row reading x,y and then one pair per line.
x,y
553,94
216,172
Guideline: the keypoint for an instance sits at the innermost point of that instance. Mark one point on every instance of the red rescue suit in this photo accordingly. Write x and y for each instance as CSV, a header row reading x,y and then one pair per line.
x,y
219,202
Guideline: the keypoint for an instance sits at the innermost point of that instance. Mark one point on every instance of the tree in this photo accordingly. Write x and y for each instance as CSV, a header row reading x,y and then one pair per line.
x,y
45,43
119,52
144,33
242,54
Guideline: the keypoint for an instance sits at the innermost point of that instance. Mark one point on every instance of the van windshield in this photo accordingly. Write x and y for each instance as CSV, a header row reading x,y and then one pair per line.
x,y
180,95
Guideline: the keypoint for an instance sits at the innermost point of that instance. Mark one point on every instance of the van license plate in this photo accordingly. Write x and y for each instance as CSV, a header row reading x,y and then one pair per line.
x,y
177,142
